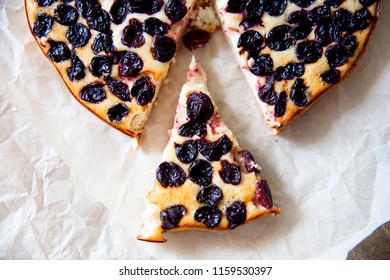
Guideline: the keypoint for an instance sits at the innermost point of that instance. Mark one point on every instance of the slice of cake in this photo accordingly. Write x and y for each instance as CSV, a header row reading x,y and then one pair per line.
x,y
293,51
112,55
205,180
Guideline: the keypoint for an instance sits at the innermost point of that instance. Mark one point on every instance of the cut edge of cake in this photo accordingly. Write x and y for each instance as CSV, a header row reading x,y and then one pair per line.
x,y
151,229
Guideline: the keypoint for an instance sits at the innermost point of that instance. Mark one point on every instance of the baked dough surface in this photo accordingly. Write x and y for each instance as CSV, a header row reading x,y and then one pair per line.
x,y
162,197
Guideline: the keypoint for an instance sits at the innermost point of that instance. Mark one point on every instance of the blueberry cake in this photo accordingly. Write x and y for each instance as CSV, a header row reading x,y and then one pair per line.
x,y
113,55
293,51
205,180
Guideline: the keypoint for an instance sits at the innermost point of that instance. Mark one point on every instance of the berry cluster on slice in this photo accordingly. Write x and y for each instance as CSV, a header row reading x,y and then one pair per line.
x,y
113,55
293,51
205,181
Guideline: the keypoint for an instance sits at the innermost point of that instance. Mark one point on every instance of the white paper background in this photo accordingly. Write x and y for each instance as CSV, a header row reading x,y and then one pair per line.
x,y
71,187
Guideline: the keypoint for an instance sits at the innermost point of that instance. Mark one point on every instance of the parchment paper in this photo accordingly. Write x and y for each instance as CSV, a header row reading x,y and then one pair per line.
x,y
73,188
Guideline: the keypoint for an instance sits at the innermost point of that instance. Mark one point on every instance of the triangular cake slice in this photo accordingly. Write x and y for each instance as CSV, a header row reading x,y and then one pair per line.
x,y
205,180
293,51
113,55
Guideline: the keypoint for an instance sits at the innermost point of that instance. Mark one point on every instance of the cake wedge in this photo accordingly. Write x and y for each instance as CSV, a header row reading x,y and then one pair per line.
x,y
205,180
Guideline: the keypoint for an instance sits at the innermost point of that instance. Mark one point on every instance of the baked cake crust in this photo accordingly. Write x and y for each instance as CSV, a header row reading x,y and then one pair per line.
x,y
186,187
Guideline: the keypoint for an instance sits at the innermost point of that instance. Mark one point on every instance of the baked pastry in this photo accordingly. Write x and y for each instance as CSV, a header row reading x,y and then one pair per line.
x,y
112,55
205,180
293,51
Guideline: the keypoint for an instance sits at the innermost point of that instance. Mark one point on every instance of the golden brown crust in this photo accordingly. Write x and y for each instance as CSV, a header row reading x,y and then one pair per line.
x,y
133,124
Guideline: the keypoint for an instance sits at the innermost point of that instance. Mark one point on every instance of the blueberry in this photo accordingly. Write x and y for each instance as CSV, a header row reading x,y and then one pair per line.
x,y
290,71
103,42
342,19
301,30
171,216
45,3
249,161
77,70
367,3
66,15
119,11
117,112
335,32
201,172
333,3
176,10
192,128
297,17
230,173
281,73
119,89
263,65
362,19
323,35
320,15
331,77
210,216
236,214
235,6
275,7
213,151
116,56
42,25
199,107
251,41
93,93
303,3
99,21
100,66
308,51
211,195
143,90
196,39
169,174
263,194
153,26
78,35
336,56
146,6
266,92
280,105
130,64
164,48
298,93
132,36
252,14
297,68
279,38
349,43
88,7
58,51
186,152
